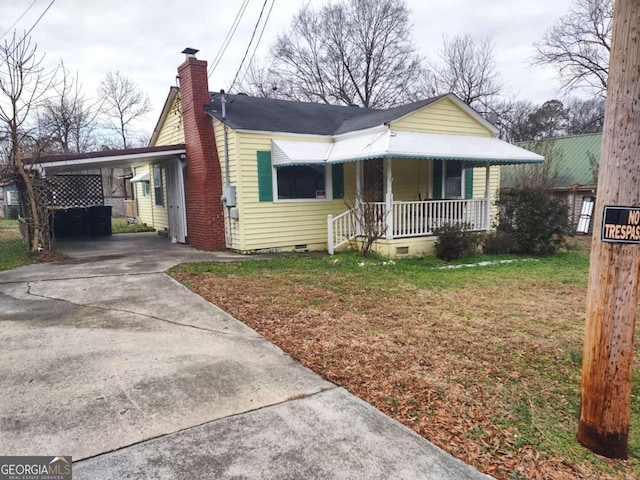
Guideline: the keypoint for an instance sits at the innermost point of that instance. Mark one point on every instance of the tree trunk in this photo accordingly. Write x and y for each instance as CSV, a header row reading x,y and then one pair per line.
x,y
612,297
26,178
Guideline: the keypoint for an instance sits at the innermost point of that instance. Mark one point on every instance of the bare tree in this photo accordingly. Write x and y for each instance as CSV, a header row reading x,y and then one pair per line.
x,y
369,211
122,104
579,45
357,52
512,119
468,69
585,116
23,84
66,118
537,176
260,80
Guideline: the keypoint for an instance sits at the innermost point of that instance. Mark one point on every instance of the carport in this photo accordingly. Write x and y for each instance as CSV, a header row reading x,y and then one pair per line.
x,y
170,158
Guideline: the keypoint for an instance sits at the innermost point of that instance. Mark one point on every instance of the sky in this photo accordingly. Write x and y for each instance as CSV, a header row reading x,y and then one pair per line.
x,y
143,38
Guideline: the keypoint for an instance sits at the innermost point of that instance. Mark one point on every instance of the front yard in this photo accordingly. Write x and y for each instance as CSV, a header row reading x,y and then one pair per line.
x,y
12,252
483,361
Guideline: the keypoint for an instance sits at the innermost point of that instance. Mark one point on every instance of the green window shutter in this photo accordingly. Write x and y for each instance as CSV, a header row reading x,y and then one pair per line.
x,y
437,179
468,183
337,174
265,181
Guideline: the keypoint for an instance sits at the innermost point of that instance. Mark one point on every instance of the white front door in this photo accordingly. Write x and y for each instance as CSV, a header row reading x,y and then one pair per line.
x,y
175,199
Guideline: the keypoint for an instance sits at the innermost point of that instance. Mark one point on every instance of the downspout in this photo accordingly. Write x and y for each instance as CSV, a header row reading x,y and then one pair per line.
x,y
227,173
228,192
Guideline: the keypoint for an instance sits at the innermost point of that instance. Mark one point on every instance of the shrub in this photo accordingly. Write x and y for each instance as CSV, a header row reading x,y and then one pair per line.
x,y
455,241
538,221
499,242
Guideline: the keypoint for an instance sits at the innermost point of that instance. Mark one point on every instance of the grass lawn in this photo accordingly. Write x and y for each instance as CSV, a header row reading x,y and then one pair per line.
x,y
120,225
12,252
482,361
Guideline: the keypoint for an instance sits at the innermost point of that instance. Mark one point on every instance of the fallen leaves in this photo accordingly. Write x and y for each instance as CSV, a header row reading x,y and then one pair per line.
x,y
466,368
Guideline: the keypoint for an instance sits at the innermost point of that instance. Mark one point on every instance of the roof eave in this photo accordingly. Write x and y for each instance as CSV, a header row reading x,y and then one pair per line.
x,y
168,103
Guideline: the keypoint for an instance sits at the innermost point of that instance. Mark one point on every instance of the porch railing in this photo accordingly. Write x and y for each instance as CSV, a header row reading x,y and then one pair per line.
x,y
414,219
341,229
408,219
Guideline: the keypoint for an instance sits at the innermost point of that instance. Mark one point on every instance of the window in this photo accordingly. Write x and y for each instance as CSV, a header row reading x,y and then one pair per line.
x,y
373,181
302,182
308,182
453,179
12,197
144,185
157,185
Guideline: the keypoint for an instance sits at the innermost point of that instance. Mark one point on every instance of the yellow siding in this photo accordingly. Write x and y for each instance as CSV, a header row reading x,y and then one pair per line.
x,y
479,177
443,116
274,225
160,215
411,180
148,212
145,211
237,233
171,131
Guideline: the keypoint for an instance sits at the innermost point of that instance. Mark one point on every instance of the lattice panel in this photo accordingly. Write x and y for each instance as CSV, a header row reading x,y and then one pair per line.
x,y
77,190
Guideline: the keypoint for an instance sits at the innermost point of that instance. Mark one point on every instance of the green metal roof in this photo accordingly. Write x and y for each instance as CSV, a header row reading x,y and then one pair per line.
x,y
572,159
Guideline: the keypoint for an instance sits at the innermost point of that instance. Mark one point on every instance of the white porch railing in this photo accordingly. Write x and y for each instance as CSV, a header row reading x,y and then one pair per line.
x,y
414,219
410,219
341,228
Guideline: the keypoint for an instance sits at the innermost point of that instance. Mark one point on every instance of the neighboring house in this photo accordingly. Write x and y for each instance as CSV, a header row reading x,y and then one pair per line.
x,y
9,201
262,175
573,168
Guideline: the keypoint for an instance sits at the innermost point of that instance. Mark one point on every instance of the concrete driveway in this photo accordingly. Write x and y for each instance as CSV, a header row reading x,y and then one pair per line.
x,y
107,359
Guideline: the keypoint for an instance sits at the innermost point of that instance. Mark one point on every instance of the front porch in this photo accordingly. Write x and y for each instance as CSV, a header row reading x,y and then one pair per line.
x,y
406,220
453,200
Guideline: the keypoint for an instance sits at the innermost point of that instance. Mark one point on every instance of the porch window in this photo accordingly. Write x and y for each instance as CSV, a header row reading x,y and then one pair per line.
x,y
302,182
373,181
144,185
157,186
452,179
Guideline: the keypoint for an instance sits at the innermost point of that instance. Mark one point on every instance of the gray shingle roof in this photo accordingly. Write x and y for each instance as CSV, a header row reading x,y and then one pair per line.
x,y
244,112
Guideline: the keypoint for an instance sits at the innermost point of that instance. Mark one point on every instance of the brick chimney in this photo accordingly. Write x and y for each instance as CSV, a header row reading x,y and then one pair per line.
x,y
203,179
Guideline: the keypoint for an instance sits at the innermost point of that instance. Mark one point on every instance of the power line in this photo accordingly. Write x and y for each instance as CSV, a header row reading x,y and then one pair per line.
x,y
40,18
227,39
29,31
255,29
293,27
19,18
255,49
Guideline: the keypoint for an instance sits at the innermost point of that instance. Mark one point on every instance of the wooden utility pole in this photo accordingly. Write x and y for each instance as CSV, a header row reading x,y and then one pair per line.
x,y
612,298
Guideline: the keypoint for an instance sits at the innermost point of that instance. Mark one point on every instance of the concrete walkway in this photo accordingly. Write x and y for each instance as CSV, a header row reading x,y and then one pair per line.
x,y
107,359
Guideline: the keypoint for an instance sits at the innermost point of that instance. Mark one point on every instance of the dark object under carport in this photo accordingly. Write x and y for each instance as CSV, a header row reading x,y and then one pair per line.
x,y
75,222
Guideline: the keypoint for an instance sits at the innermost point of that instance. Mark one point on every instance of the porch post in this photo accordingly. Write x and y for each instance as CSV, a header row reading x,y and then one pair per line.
x,y
358,199
388,175
487,197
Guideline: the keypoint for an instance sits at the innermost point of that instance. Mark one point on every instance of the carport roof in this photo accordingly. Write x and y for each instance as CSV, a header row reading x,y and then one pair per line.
x,y
130,157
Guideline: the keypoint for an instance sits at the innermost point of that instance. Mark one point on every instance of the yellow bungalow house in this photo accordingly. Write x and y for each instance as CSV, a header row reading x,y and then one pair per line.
x,y
264,175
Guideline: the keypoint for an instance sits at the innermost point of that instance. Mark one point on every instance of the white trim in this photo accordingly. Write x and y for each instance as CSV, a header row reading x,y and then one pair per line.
x,y
328,186
174,92
273,134
141,177
382,142
104,161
